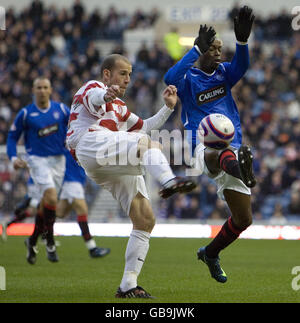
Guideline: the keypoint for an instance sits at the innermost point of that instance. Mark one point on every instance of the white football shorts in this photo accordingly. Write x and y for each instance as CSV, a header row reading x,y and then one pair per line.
x,y
223,180
71,191
47,172
109,159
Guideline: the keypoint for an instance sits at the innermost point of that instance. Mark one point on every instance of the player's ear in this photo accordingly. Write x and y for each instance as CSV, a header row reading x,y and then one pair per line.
x,y
106,74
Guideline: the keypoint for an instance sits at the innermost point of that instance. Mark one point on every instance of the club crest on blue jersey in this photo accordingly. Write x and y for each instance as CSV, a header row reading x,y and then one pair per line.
x,y
219,76
56,115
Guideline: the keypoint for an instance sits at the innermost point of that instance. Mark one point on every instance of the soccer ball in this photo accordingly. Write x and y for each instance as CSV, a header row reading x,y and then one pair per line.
x,y
216,131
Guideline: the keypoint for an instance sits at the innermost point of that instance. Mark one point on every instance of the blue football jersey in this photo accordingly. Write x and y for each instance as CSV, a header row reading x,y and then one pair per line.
x,y
44,130
74,172
202,94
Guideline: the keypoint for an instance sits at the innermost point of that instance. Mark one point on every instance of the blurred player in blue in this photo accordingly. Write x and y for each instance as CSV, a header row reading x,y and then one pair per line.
x,y
43,124
72,198
206,90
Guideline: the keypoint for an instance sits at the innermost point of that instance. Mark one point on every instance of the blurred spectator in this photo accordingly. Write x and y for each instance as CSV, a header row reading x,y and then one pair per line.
x,y
173,46
294,205
192,210
278,218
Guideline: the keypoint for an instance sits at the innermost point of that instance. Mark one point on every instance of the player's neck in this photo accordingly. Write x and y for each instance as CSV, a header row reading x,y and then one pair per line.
x,y
42,104
206,69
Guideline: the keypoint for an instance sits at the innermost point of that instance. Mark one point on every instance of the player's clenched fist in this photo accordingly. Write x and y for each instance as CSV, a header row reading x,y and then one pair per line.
x,y
112,93
170,96
205,38
19,163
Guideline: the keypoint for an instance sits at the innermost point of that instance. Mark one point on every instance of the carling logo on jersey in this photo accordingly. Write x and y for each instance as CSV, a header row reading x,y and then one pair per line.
x,y
49,130
211,94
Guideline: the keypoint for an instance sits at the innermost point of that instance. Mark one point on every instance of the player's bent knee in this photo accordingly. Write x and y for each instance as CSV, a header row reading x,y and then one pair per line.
x,y
155,144
50,197
80,206
146,143
243,222
146,222
247,222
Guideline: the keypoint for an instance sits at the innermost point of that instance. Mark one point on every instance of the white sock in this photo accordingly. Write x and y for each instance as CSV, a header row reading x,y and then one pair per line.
x,y
157,165
135,255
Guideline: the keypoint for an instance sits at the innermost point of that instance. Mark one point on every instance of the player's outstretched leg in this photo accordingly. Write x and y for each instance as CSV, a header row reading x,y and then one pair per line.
x,y
213,265
177,185
31,242
49,213
241,218
51,253
82,220
20,214
245,163
156,163
240,168
143,220
22,206
31,252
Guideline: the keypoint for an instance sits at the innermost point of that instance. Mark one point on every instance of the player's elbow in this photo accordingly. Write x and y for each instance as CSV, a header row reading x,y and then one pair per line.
x,y
168,78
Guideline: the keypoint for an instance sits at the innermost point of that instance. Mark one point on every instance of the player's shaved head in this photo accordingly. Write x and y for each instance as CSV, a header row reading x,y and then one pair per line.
x,y
110,61
116,70
39,79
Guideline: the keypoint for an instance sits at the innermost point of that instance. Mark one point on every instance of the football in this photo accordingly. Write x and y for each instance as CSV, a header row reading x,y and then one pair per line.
x,y
216,131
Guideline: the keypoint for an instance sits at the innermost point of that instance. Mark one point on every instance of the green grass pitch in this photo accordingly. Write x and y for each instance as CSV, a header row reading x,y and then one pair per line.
x,y
257,270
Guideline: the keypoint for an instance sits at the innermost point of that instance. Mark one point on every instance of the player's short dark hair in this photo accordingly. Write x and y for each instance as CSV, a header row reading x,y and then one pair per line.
x,y
40,78
109,62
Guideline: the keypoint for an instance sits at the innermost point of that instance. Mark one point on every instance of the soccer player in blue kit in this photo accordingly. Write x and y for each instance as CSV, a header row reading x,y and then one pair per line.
x,y
44,124
206,90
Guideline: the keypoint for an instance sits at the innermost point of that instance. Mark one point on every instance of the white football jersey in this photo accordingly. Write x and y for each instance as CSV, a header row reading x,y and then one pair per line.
x,y
85,116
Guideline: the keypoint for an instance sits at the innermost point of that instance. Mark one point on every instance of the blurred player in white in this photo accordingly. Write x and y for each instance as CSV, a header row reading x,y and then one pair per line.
x,y
103,134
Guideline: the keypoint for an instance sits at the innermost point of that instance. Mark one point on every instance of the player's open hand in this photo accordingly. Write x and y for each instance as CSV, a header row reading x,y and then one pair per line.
x,y
243,24
205,38
19,163
112,93
170,96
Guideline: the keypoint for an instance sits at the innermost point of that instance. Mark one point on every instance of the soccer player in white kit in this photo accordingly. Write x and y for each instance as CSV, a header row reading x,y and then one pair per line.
x,y
112,145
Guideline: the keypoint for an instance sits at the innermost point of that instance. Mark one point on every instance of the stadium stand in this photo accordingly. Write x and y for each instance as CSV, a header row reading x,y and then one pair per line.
x,y
61,44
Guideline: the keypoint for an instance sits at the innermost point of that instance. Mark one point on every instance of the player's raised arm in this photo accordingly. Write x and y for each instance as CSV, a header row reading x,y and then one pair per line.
x,y
242,28
158,120
205,38
243,24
